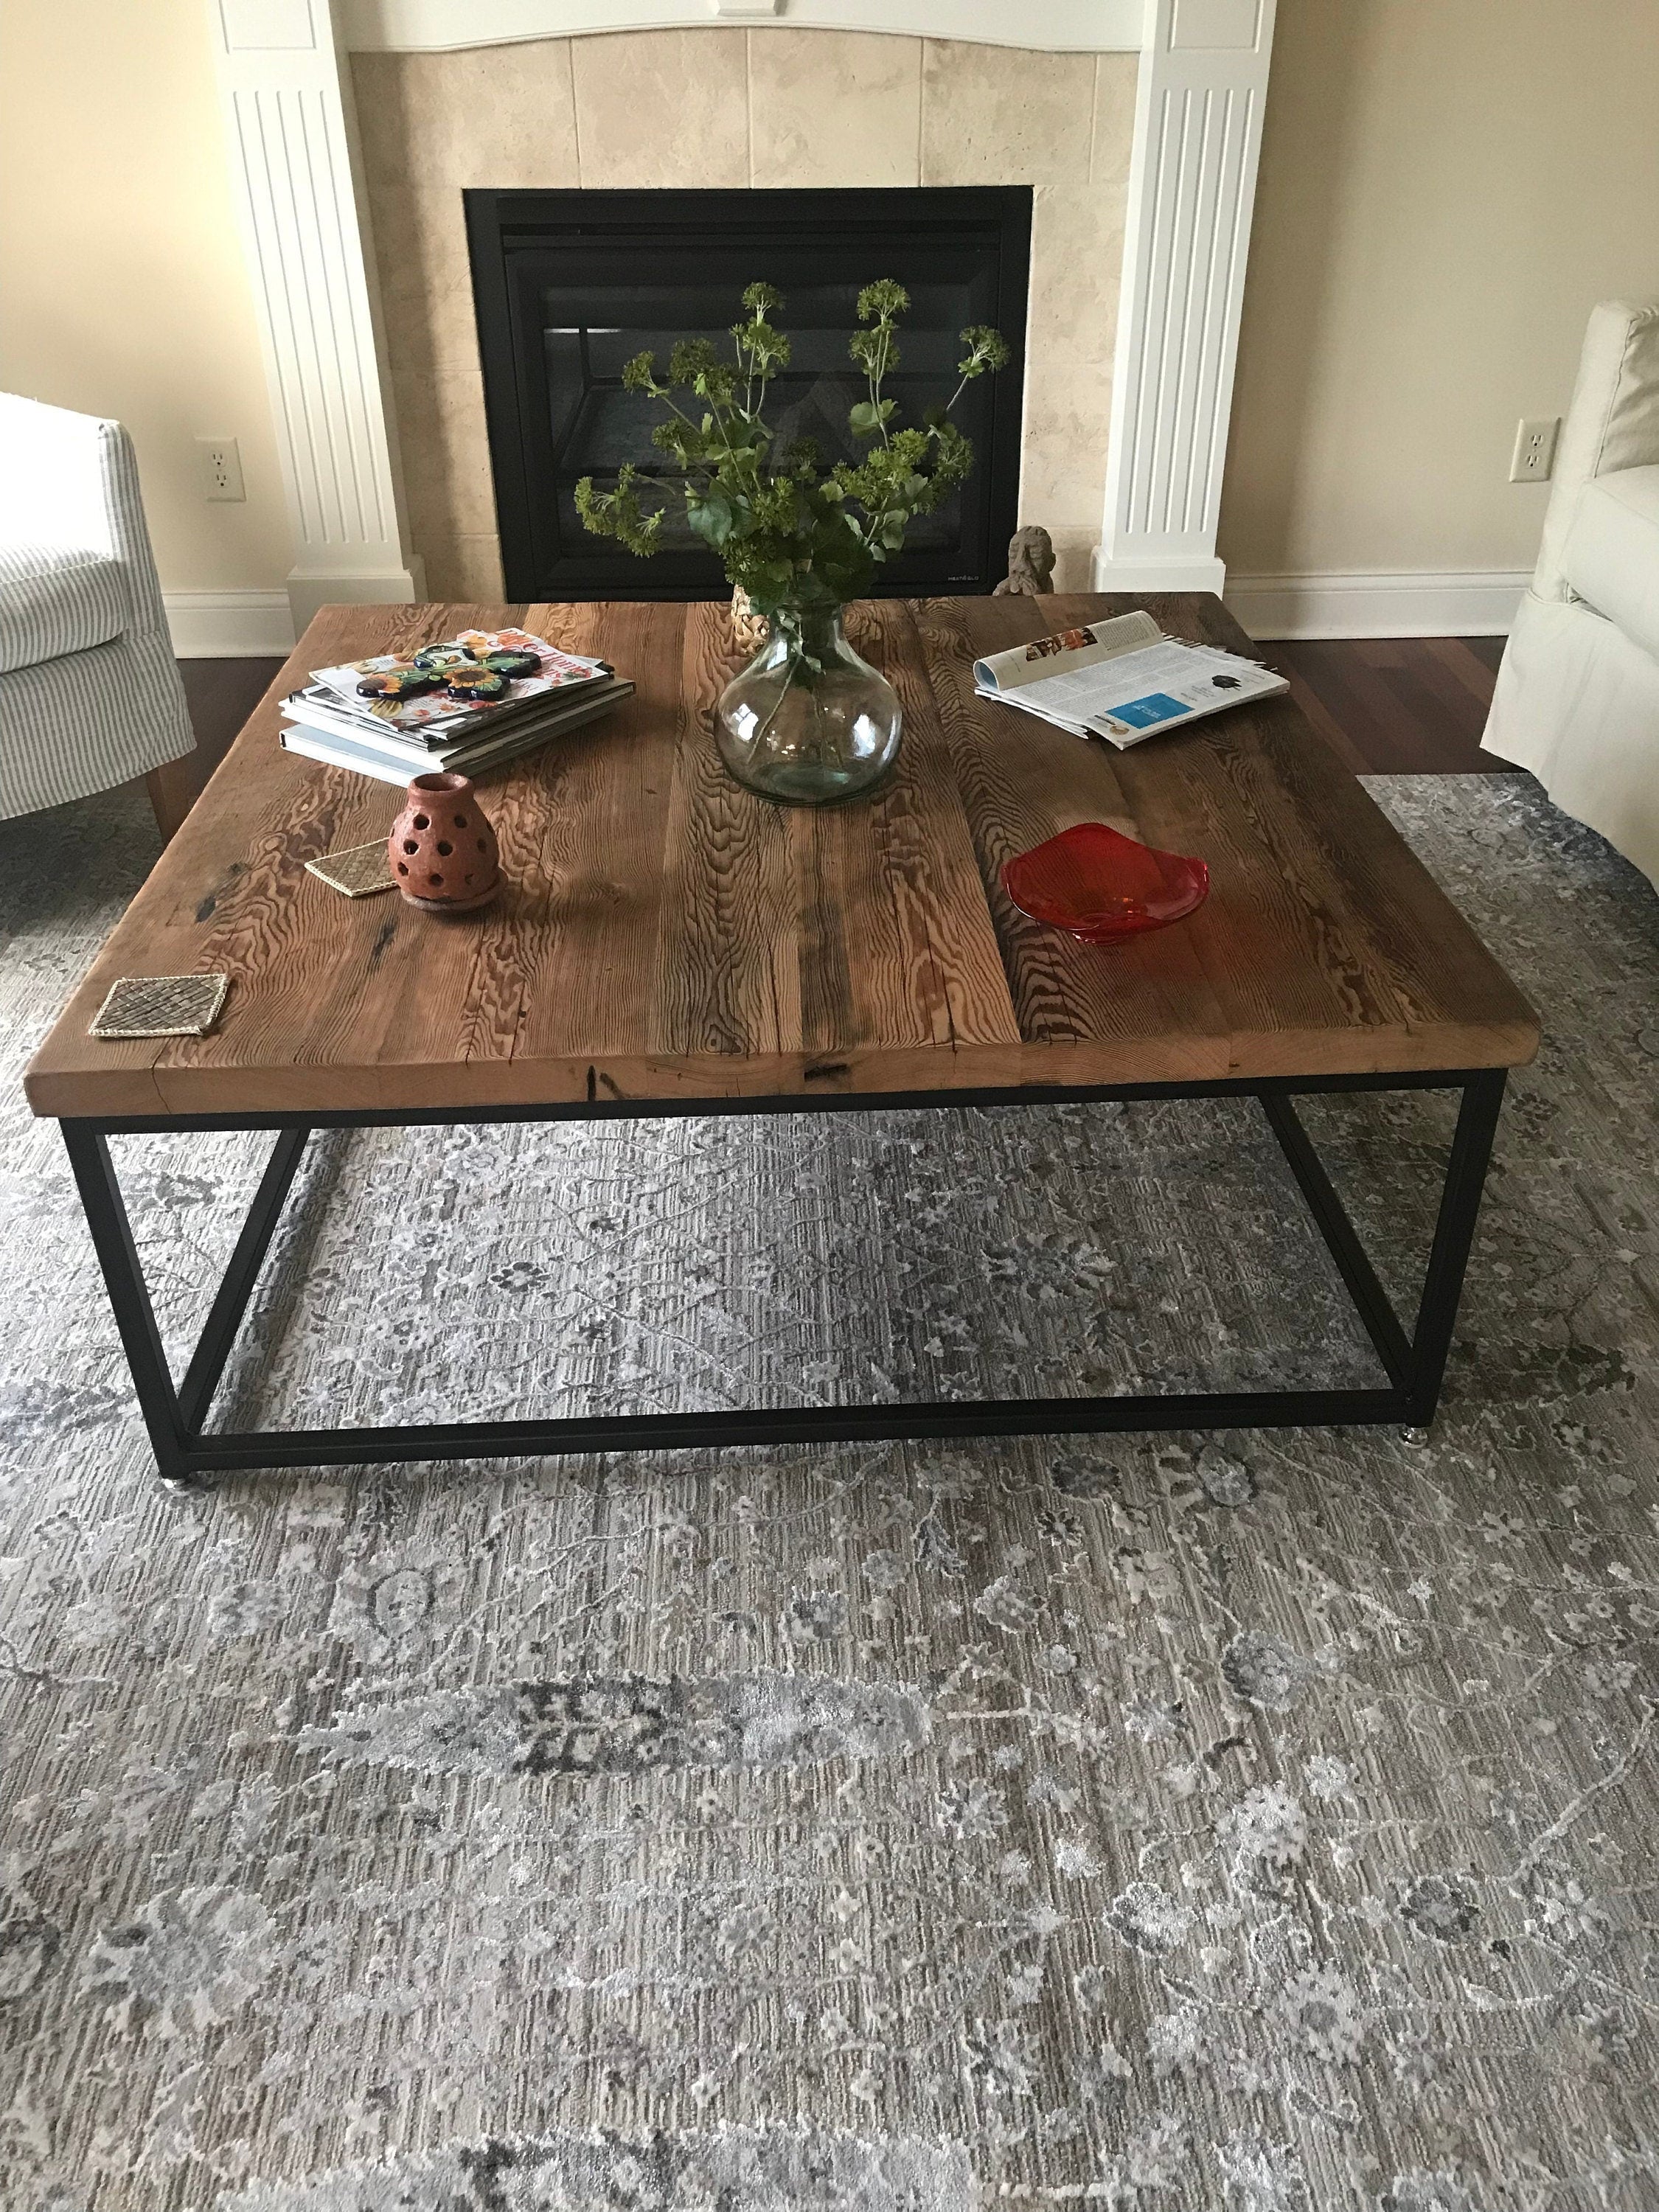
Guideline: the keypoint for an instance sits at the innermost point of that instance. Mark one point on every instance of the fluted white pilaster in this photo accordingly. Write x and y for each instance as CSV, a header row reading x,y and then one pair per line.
x,y
287,107
1198,137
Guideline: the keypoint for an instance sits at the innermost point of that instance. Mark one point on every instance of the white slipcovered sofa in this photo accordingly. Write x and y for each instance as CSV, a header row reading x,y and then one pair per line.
x,y
1578,694
89,690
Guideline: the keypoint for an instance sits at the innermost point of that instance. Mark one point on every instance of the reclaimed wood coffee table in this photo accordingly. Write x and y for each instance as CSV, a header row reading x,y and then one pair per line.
x,y
668,943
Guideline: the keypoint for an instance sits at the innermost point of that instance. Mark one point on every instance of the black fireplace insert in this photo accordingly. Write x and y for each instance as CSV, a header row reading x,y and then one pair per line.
x,y
569,285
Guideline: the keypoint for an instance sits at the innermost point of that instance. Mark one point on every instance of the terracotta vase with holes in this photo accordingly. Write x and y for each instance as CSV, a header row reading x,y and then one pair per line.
x,y
443,852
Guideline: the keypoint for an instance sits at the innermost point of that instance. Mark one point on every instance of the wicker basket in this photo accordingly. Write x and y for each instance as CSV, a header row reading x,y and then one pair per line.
x,y
749,629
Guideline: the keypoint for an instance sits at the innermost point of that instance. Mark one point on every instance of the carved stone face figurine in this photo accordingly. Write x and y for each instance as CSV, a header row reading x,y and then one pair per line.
x,y
1031,563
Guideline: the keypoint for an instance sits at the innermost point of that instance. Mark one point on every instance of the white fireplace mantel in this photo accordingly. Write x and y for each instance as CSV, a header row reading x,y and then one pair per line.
x,y
428,26
285,79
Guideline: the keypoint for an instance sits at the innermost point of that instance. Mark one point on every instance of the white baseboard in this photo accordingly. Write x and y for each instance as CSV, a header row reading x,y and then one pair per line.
x,y
229,625
1139,572
380,588
1415,603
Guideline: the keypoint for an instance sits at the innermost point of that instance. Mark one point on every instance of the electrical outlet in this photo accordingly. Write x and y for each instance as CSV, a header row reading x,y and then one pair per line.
x,y
221,468
1534,450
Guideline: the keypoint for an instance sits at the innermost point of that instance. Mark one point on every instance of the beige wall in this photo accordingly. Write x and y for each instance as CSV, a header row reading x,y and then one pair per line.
x,y
734,107
1447,187
123,287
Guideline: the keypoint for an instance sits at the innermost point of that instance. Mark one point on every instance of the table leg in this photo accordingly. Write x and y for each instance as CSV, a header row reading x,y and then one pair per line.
x,y
135,1317
174,1417
1453,1235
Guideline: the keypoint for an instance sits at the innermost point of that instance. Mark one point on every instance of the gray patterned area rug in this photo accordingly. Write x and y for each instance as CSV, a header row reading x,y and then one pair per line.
x,y
1267,1822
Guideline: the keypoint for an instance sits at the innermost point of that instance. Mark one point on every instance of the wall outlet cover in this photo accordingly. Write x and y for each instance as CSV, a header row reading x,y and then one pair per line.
x,y
1534,449
221,464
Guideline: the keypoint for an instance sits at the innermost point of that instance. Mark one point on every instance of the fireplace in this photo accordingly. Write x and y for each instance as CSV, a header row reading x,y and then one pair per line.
x,y
569,284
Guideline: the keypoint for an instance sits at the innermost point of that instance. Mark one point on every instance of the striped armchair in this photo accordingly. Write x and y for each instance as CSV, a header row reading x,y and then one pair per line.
x,y
89,690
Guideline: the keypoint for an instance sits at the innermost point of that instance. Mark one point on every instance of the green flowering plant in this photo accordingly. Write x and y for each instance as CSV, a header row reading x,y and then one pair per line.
x,y
796,535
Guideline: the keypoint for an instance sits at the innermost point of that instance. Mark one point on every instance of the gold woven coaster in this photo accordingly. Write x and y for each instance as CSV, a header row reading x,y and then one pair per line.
x,y
356,870
160,1006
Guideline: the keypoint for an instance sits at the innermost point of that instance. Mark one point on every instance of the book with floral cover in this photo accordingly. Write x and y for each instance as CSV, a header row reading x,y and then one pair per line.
x,y
531,690
438,711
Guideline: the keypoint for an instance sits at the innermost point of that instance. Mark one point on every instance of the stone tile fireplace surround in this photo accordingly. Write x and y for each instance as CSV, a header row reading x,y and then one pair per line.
x,y
760,107
356,124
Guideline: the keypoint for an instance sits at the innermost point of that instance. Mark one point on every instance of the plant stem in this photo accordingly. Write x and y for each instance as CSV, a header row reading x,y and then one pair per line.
x,y
790,666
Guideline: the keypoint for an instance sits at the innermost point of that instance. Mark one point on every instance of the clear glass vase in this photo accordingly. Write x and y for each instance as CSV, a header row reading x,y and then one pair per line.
x,y
808,722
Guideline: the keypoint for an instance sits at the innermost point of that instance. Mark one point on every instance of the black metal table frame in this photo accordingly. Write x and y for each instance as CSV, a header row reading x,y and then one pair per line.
x,y
185,1450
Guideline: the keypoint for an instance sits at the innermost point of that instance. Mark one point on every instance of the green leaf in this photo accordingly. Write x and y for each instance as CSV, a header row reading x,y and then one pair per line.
x,y
987,350
710,517
867,417
882,300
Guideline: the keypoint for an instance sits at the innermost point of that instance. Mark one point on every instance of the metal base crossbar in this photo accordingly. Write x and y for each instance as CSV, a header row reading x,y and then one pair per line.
x,y
185,1450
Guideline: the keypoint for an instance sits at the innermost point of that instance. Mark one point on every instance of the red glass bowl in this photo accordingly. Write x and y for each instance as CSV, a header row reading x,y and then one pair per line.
x,y
1103,886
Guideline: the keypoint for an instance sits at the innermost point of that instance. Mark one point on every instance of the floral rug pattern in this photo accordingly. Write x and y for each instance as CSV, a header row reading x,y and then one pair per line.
x,y
1268,1823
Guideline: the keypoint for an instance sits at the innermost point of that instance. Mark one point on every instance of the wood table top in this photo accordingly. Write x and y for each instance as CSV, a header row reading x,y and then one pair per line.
x,y
665,935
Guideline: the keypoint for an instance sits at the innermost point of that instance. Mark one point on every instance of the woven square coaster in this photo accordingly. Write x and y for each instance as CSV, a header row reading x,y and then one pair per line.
x,y
356,870
160,1006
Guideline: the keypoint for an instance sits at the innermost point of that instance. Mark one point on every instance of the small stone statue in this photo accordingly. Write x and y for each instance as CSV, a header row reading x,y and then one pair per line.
x,y
1030,564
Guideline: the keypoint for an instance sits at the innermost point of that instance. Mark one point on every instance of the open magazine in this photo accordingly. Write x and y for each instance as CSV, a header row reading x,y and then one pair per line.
x,y
1122,680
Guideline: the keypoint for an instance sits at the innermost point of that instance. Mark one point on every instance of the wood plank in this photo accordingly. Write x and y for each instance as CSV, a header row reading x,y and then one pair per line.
x,y
593,894
922,860
664,933
1451,656
1389,706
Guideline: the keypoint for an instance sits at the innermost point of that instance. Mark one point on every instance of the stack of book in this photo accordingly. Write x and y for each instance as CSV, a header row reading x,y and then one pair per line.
x,y
394,737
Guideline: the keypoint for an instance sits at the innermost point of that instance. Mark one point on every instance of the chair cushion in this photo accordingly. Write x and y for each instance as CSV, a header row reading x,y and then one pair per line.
x,y
56,599
1611,557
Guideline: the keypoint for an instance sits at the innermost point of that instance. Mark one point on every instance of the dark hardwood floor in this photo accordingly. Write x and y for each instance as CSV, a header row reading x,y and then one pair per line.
x,y
220,696
1388,706
1405,706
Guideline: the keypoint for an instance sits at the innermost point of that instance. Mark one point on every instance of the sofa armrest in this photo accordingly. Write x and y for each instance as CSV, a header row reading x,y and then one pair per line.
x,y
1612,423
51,465
72,480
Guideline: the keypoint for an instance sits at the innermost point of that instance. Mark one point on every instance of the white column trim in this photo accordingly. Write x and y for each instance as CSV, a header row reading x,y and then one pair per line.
x,y
432,25
1198,139
287,105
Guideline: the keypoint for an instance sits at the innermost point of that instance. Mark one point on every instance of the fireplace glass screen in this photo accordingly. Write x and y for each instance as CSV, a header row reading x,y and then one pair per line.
x,y
570,285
